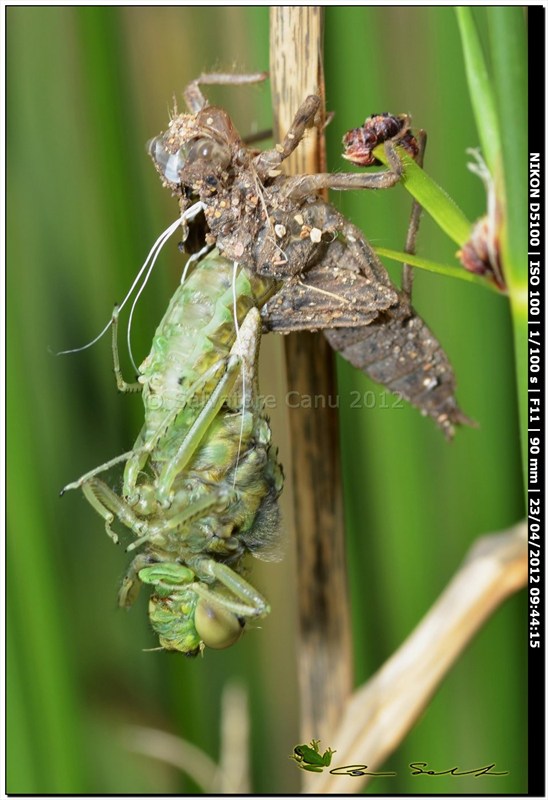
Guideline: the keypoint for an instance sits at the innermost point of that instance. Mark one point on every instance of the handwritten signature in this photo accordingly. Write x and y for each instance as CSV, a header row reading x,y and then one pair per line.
x,y
418,768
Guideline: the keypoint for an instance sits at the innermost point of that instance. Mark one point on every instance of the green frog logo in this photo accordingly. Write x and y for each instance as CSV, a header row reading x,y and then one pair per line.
x,y
308,757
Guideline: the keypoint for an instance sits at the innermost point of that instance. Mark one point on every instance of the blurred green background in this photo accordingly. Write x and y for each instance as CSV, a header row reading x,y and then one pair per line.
x,y
87,87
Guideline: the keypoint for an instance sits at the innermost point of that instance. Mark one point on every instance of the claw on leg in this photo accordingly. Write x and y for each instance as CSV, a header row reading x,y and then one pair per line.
x,y
122,385
194,98
93,499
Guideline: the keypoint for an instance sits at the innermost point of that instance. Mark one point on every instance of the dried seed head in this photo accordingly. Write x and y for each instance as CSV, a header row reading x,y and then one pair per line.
x,y
481,253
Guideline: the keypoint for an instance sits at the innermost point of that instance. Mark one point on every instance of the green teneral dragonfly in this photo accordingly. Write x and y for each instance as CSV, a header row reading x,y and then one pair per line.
x,y
201,483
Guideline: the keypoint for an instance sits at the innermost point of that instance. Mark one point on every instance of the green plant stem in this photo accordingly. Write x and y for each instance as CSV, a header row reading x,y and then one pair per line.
x,y
509,57
435,266
500,105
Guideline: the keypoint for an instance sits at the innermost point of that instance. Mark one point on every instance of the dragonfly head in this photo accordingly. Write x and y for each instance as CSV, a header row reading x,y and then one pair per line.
x,y
188,625
185,621
194,147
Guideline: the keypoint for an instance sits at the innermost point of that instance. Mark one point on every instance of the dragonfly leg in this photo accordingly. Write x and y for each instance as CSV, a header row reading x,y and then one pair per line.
x,y
109,505
414,221
101,468
302,186
216,500
131,583
197,431
244,347
269,160
194,97
246,600
144,447
122,385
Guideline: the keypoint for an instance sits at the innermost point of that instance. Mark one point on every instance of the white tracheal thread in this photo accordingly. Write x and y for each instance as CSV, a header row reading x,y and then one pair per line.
x,y
195,257
159,243
238,339
190,213
191,260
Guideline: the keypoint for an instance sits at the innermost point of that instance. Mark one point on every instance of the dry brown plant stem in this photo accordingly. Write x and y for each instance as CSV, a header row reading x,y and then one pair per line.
x,y
325,651
382,711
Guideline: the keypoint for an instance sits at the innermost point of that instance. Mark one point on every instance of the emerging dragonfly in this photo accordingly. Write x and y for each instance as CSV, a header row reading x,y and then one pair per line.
x,y
201,483
328,276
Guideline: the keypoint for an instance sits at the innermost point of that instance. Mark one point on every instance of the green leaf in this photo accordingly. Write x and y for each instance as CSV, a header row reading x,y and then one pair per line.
x,y
481,90
435,200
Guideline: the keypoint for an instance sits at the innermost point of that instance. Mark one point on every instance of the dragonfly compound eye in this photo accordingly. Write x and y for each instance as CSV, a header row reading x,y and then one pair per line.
x,y
170,164
217,627
209,151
